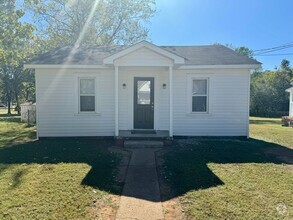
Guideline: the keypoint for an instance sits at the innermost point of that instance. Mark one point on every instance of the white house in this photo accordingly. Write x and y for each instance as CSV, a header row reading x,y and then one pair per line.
x,y
182,90
290,90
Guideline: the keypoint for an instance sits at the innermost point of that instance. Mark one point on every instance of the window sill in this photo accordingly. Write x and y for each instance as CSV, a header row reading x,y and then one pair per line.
x,y
206,114
87,114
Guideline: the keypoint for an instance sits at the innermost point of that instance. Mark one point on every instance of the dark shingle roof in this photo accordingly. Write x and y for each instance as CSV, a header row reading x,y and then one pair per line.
x,y
92,55
210,55
194,55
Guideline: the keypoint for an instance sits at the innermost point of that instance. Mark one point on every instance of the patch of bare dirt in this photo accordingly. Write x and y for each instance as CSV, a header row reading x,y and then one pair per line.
x,y
171,204
108,210
105,210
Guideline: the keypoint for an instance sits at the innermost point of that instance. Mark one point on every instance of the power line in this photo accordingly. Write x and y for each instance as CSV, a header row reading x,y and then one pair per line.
x,y
276,54
282,45
273,49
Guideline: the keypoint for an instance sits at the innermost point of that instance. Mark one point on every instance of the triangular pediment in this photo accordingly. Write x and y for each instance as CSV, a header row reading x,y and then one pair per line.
x,y
144,54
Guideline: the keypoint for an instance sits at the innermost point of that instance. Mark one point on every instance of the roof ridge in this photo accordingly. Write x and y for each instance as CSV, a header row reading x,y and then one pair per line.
x,y
207,45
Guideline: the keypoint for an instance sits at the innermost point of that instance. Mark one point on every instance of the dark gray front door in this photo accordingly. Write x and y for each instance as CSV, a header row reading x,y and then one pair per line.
x,y
143,103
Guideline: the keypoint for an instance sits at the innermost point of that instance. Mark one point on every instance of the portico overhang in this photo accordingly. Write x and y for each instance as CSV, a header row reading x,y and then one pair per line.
x,y
144,54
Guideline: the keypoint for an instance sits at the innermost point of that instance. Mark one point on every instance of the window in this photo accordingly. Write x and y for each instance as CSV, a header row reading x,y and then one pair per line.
x,y
144,92
87,95
200,95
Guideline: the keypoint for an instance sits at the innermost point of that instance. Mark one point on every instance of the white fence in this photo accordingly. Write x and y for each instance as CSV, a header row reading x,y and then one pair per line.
x,y
28,112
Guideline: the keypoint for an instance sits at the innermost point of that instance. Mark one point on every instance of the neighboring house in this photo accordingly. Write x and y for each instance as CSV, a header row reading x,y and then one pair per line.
x,y
290,90
104,90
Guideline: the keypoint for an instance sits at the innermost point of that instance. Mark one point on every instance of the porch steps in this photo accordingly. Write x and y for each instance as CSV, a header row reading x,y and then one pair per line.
x,y
157,136
143,144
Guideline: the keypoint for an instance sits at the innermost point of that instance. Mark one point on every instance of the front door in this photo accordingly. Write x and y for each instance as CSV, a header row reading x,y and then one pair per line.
x,y
143,103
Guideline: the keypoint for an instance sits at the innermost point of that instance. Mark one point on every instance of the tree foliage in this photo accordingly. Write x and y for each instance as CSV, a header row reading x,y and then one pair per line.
x,y
98,22
268,96
58,23
244,51
15,47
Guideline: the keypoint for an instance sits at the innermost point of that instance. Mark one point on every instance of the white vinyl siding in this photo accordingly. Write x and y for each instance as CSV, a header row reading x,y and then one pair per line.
x,y
143,57
58,108
291,104
58,103
228,98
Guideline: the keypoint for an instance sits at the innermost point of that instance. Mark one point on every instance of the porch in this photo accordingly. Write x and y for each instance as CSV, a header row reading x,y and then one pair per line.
x,y
143,76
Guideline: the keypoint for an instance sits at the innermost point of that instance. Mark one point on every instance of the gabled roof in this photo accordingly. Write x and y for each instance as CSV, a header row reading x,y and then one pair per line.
x,y
144,44
99,55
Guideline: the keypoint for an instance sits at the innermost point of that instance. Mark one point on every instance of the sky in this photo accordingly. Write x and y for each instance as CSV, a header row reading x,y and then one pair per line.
x,y
256,24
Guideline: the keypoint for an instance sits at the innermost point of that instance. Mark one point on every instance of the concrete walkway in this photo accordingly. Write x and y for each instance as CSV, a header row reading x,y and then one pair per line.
x,y
141,194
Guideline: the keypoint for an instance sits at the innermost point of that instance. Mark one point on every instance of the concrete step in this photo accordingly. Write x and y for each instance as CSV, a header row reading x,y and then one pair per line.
x,y
143,144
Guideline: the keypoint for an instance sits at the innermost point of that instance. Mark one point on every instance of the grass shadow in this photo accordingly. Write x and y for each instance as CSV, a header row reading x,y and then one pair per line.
x,y
10,119
17,177
186,168
8,115
92,152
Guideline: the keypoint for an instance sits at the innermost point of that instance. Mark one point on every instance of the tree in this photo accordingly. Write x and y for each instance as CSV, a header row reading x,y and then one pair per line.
x,y
282,82
268,96
28,86
92,22
15,48
244,51
285,67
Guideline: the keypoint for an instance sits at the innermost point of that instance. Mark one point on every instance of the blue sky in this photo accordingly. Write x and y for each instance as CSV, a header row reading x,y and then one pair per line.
x,y
256,24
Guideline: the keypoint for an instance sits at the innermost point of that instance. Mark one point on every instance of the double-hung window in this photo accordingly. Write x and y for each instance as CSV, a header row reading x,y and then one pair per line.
x,y
200,95
87,95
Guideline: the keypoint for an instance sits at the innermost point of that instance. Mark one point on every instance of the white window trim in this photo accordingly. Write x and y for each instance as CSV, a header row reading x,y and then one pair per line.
x,y
95,94
190,95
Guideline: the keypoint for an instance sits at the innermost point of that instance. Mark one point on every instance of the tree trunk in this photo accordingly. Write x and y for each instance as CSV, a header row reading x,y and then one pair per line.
x,y
26,94
9,108
17,108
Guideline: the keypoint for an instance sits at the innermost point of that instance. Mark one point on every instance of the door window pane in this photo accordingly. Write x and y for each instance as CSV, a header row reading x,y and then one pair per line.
x,y
199,87
199,103
144,92
87,103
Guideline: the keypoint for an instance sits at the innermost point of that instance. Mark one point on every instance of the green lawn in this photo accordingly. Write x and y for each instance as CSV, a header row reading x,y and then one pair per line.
x,y
53,179
214,179
270,130
234,179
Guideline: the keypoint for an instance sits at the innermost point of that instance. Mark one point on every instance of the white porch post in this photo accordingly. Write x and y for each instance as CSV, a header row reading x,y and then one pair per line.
x,y
116,101
171,101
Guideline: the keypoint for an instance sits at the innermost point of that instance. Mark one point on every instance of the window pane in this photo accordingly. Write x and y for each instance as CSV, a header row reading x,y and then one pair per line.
x,y
144,92
87,103
199,103
87,86
200,87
